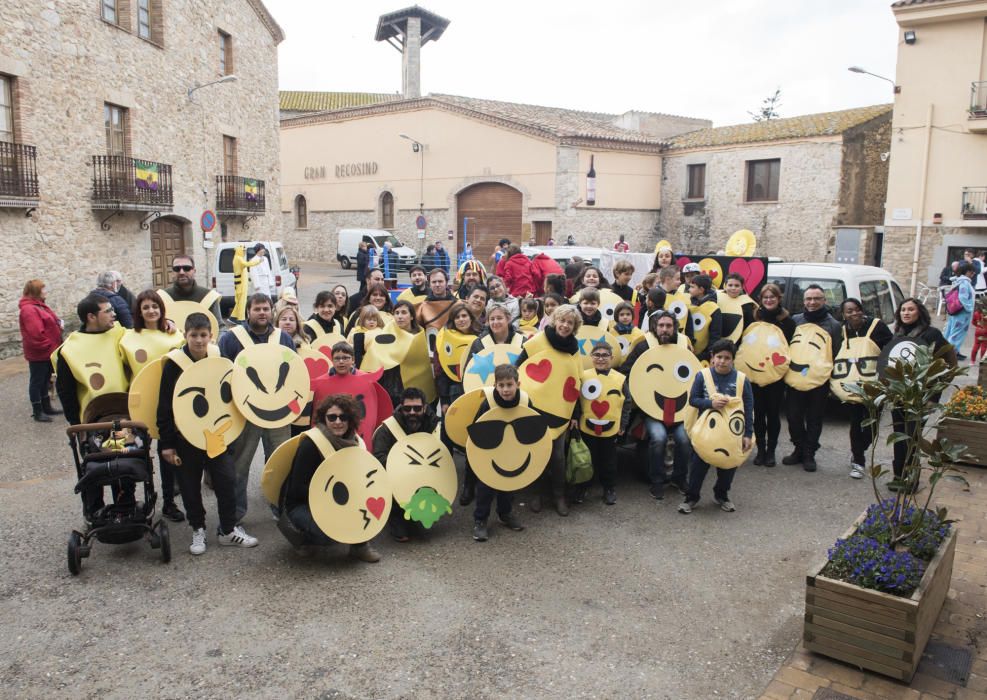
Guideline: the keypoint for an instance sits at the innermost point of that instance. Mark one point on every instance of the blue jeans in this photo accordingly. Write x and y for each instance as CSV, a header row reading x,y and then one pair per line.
x,y
244,448
301,517
697,474
658,434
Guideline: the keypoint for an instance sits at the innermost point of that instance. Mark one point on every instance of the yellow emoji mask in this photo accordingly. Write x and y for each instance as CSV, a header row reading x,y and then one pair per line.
x,y
601,399
718,435
178,311
451,347
508,448
588,336
350,496
763,353
551,378
660,382
422,474
203,403
811,352
855,363
270,381
479,370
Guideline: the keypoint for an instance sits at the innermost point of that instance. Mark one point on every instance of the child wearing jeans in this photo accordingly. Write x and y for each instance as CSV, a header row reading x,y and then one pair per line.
x,y
601,386
725,377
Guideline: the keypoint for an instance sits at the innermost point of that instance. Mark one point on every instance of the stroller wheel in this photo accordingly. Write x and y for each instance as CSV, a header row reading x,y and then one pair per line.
x,y
75,553
165,539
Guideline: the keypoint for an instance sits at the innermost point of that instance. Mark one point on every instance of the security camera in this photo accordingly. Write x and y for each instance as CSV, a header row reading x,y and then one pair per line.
x,y
885,156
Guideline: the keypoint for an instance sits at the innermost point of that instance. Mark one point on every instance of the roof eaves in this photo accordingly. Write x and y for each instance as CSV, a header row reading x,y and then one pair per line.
x,y
268,20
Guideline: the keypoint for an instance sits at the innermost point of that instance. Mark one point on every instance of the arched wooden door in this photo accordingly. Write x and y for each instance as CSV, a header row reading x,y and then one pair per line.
x,y
167,241
492,210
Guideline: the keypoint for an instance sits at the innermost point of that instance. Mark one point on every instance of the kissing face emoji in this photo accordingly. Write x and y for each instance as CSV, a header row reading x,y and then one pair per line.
x,y
811,351
270,384
508,448
763,354
203,406
350,496
660,382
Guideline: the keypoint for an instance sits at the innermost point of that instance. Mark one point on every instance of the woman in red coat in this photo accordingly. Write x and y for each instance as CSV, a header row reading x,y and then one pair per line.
x,y
41,333
518,274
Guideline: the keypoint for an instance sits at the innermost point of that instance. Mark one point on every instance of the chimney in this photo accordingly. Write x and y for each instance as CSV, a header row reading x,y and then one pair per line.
x,y
408,30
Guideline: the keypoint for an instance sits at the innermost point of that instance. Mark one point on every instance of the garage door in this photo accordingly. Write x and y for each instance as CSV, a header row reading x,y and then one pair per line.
x,y
167,241
492,211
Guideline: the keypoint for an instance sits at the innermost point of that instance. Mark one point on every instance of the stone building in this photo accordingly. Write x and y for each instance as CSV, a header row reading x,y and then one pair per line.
x,y
937,188
121,121
480,168
804,185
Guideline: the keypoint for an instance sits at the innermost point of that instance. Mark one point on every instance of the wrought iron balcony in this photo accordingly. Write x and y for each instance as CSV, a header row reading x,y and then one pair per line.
x,y
122,183
239,196
18,175
974,203
977,122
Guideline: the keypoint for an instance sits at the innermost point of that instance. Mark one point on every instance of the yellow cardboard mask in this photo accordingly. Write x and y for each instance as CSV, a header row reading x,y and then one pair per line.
x,y
479,370
811,352
763,354
508,448
601,401
271,383
717,436
660,382
451,347
855,363
142,397
588,336
203,405
350,496
422,474
551,378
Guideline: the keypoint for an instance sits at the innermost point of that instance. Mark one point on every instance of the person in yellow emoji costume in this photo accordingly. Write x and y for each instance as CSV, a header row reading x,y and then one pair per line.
x,y
721,436
600,418
197,422
240,281
811,352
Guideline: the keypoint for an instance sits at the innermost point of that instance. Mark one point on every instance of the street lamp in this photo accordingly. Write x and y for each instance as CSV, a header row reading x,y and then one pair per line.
x,y
858,69
419,148
225,79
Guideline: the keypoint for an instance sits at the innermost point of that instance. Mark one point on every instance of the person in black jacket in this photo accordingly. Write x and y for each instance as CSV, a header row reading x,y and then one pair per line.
x,y
768,398
806,408
362,264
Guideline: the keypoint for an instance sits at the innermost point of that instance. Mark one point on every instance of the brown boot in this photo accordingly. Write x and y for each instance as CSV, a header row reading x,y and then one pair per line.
x,y
364,552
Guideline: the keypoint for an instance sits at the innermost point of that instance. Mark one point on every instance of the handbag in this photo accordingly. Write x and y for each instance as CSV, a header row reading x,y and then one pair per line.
x,y
953,303
578,461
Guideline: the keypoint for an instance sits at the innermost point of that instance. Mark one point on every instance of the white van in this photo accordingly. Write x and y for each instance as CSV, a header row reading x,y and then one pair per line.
x,y
874,286
222,268
348,243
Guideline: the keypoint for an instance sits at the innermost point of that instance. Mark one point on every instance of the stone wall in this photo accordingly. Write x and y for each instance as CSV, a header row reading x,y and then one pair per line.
x,y
66,63
796,227
864,174
899,248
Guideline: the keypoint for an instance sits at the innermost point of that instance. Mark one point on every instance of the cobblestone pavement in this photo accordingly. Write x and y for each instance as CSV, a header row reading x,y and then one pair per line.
x,y
633,600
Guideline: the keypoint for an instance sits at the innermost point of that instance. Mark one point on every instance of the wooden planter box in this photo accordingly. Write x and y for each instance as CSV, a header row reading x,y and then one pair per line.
x,y
972,433
876,631
982,374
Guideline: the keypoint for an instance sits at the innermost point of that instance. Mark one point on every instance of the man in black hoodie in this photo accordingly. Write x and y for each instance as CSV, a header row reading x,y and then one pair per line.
x,y
805,409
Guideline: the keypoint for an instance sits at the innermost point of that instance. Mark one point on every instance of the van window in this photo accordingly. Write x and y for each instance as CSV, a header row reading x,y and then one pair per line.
x,y
226,258
388,238
834,290
282,258
875,295
896,293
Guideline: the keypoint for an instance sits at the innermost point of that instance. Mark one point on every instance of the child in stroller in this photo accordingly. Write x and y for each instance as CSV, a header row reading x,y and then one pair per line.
x,y
110,450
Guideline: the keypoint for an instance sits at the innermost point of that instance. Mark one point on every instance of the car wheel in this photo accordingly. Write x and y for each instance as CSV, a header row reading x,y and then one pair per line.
x,y
345,262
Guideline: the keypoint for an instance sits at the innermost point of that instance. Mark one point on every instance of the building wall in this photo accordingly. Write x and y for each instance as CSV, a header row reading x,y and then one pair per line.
x,y
796,227
899,250
864,173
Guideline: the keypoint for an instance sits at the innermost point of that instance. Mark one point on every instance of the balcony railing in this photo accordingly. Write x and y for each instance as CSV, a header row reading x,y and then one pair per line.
x,y
18,175
974,203
239,195
978,99
120,182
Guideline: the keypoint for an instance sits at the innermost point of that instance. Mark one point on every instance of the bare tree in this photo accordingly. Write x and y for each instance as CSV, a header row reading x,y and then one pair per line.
x,y
769,107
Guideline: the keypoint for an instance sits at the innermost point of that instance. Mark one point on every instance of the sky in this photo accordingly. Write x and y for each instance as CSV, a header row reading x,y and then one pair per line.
x,y
713,59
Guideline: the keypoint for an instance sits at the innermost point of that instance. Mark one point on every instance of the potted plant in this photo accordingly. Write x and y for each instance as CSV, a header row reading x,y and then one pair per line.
x,y
872,602
965,421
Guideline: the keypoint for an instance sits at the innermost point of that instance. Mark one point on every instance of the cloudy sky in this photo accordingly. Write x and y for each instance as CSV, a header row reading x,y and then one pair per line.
x,y
716,59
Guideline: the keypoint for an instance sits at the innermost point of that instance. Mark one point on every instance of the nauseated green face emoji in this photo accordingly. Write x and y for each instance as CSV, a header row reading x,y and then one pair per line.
x,y
426,507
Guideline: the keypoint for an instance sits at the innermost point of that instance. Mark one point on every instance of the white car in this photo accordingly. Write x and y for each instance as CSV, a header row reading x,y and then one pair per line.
x,y
222,268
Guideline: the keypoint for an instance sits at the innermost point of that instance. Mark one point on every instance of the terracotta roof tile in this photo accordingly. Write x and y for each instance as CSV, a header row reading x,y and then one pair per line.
x,y
808,125
306,101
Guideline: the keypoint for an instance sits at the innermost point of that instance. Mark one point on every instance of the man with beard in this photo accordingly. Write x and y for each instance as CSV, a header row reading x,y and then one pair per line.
x,y
184,286
356,302
412,415
471,274
418,290
664,328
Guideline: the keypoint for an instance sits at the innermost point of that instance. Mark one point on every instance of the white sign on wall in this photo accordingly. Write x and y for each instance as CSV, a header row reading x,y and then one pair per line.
x,y
901,214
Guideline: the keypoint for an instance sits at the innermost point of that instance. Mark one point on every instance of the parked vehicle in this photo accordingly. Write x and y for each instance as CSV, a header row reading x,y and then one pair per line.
x,y
348,243
877,290
222,268
562,254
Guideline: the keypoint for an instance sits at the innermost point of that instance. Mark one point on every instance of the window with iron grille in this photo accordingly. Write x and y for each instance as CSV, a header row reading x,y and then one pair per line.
x,y
6,109
115,120
301,212
225,53
229,156
762,180
387,210
697,181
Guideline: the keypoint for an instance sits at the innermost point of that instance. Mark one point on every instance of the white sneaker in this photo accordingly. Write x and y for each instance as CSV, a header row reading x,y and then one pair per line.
x,y
856,471
686,507
726,505
198,545
238,538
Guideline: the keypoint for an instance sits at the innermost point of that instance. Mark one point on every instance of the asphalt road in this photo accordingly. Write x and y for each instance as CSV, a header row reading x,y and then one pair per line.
x,y
633,600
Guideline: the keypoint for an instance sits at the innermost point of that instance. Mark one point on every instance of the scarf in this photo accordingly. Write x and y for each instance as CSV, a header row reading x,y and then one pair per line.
x,y
623,328
338,443
567,345
817,315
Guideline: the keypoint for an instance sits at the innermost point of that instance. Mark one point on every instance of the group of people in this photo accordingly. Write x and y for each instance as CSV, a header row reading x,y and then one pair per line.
x,y
569,356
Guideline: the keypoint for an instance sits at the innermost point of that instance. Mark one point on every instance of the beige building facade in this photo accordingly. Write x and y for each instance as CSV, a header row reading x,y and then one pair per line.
x,y
937,189
113,141
804,185
476,168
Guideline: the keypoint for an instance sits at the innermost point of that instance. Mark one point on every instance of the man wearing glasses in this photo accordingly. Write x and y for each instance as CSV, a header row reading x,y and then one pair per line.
x,y
412,416
184,286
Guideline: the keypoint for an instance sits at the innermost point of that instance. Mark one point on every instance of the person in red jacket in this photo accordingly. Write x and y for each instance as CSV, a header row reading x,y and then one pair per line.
x,y
41,333
519,275
542,266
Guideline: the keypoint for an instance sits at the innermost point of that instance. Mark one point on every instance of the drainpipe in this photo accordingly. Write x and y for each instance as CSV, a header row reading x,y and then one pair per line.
x,y
921,202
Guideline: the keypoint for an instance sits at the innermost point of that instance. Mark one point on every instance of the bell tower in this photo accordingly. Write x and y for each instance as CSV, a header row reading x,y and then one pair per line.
x,y
408,30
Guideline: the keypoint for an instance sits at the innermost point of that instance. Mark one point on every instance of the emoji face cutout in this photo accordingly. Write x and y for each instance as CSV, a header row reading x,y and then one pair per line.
x,y
204,408
588,336
508,448
416,368
270,384
741,244
678,306
717,436
660,382
732,315
420,467
601,398
855,363
763,353
700,317
479,370
711,267
899,348
811,352
317,362
386,349
277,468
551,378
451,347
628,341
142,397
375,404
178,311
608,305
350,496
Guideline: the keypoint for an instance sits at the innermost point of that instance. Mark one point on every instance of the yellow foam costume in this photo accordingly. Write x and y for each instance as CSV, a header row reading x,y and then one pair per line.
x,y
240,285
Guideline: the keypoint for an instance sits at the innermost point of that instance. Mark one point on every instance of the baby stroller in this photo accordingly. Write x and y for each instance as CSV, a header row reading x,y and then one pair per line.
x,y
110,450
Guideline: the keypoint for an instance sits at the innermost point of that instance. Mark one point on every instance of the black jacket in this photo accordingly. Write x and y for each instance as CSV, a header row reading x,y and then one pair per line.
x,y
384,439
